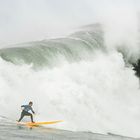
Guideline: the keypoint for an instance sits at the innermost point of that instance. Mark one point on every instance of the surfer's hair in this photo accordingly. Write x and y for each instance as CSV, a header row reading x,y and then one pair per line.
x,y
30,102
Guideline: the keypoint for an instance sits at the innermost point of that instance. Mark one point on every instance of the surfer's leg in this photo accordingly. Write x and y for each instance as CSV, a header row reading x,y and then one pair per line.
x,y
21,117
29,114
31,117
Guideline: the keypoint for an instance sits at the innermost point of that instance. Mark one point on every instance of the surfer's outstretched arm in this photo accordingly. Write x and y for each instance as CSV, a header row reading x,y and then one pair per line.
x,y
32,110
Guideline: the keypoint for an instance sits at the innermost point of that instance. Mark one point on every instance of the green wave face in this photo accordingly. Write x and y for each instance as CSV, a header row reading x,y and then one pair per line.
x,y
76,47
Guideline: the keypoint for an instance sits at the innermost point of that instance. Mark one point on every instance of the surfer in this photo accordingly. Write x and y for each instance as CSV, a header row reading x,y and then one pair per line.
x,y
25,111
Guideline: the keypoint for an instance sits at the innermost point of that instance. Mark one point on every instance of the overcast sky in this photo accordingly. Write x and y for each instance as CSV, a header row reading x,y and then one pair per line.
x,y
27,20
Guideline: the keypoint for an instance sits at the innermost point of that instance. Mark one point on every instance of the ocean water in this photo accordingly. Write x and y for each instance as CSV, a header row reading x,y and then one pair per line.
x,y
12,131
77,79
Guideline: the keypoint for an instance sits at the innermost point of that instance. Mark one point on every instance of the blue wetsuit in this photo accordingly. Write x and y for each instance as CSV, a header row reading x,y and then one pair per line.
x,y
25,112
27,108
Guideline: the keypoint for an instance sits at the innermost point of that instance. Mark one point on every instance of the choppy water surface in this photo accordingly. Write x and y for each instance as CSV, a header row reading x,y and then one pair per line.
x,y
12,131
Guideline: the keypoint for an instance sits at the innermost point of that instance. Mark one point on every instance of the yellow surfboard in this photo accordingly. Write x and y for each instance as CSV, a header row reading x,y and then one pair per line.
x,y
39,123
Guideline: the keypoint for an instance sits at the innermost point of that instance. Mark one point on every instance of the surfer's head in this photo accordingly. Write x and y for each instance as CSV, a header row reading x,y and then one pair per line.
x,y
30,103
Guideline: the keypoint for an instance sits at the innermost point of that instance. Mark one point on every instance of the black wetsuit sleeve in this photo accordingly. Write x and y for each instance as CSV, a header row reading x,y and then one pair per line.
x,y
32,110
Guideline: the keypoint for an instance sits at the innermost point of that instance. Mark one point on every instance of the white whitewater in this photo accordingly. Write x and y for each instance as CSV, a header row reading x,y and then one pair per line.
x,y
98,95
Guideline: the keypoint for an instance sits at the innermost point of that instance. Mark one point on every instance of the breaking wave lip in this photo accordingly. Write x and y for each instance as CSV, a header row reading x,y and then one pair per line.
x,y
75,47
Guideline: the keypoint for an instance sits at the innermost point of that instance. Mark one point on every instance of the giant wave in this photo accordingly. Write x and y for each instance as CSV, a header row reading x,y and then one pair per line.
x,y
77,80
